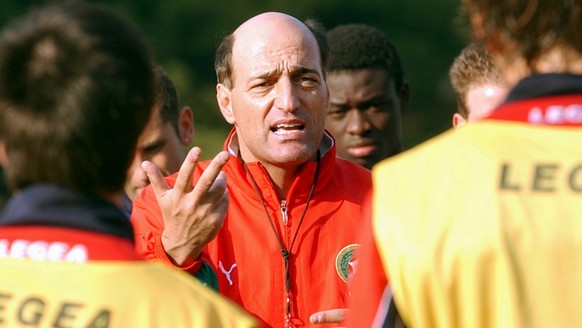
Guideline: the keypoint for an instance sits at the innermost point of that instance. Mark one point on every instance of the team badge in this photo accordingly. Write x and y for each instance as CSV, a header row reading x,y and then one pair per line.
x,y
346,261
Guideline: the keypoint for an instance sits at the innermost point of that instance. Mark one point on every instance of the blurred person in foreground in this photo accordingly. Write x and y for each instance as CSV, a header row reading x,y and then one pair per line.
x,y
4,191
368,94
477,84
75,93
480,227
163,141
287,244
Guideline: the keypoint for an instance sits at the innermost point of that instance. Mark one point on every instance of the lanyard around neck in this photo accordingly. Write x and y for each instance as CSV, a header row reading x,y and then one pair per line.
x,y
285,253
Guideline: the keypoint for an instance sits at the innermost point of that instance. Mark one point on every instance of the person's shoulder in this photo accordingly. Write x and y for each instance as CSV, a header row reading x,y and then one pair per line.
x,y
466,156
450,146
351,167
204,304
351,176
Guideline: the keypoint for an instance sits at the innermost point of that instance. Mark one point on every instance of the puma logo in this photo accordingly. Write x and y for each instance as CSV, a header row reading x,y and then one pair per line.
x,y
227,273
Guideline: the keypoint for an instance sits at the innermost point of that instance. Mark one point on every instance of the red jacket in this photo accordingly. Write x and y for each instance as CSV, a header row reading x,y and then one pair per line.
x,y
246,254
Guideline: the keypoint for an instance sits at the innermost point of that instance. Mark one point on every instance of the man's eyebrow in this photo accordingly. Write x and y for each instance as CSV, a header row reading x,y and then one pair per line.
x,y
264,75
301,70
295,71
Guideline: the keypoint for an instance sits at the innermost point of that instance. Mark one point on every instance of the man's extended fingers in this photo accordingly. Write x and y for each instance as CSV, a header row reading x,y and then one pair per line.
x,y
329,316
222,205
156,178
184,179
211,177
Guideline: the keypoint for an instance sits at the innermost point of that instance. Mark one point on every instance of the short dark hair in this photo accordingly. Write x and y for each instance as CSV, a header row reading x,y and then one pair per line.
x,y
474,65
361,46
166,98
76,90
223,57
321,37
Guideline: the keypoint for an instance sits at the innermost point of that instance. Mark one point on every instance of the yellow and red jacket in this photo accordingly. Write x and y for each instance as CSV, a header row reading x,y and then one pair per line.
x,y
246,255
481,227
68,260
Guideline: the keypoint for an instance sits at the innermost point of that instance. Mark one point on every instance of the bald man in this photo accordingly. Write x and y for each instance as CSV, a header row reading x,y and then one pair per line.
x,y
287,244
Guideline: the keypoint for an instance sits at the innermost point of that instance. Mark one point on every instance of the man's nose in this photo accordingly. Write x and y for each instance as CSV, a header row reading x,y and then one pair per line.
x,y
357,122
287,97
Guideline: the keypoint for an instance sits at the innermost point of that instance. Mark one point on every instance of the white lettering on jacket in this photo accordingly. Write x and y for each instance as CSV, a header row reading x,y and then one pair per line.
x,y
556,114
40,250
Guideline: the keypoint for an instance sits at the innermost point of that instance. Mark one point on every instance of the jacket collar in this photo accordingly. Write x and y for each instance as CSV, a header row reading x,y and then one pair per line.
x,y
231,144
51,205
299,191
544,85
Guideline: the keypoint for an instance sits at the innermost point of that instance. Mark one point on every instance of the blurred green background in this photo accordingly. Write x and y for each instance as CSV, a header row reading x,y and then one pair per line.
x,y
185,33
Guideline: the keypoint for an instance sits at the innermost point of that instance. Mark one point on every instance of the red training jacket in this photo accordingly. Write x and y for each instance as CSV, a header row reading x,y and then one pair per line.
x,y
246,254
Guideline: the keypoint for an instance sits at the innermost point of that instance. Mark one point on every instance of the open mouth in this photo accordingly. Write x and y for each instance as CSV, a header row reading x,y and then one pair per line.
x,y
287,128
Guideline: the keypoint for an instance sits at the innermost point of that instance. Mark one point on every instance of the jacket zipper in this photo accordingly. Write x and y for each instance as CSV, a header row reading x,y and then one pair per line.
x,y
285,254
284,211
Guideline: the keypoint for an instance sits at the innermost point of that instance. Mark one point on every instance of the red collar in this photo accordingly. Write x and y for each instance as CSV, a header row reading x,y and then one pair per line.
x,y
556,110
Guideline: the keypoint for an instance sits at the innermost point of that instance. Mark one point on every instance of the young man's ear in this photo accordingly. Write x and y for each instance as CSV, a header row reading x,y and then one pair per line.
x,y
458,120
224,102
186,125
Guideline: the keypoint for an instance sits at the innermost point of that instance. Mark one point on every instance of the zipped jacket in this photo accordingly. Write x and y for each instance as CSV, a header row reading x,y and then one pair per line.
x,y
246,253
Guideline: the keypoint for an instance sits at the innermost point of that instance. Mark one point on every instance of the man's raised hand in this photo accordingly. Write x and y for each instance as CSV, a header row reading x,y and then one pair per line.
x,y
193,214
